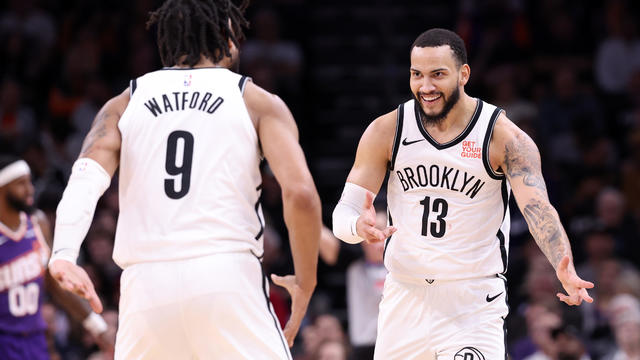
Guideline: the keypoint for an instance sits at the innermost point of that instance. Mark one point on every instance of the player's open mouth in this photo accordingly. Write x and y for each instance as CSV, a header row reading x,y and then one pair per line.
x,y
430,99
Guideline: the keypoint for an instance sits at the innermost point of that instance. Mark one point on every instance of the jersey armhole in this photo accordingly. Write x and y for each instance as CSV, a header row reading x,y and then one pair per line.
x,y
485,146
243,82
398,135
133,84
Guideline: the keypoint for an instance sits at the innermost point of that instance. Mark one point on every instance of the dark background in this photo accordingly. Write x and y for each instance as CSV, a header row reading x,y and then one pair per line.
x,y
567,72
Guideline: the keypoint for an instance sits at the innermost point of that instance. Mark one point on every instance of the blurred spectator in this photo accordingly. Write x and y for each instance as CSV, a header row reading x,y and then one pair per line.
x,y
569,344
618,55
540,322
272,62
31,33
624,314
331,350
325,328
611,213
16,119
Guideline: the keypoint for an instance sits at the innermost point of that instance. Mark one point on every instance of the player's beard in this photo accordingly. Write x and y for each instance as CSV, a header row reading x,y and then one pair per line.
x,y
19,204
449,102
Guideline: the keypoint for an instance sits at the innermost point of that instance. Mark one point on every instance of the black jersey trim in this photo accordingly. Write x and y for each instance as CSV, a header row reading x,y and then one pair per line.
x,y
133,85
504,320
257,208
273,316
194,68
398,135
388,240
505,206
457,139
485,145
243,82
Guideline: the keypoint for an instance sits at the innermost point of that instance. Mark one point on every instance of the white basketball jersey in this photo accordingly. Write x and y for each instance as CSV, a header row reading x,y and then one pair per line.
x,y
449,206
189,168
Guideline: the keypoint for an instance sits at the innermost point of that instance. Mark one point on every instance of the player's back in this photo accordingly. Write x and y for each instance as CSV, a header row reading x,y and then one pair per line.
x,y
189,168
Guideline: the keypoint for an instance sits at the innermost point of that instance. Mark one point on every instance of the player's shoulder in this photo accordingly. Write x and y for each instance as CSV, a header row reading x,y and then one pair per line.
x,y
505,129
259,99
384,125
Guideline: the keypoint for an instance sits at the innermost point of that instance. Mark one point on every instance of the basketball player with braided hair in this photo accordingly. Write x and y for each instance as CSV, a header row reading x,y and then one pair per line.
x,y
187,141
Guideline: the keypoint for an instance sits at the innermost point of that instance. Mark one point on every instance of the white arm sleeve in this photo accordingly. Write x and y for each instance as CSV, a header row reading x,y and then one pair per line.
x,y
346,213
88,181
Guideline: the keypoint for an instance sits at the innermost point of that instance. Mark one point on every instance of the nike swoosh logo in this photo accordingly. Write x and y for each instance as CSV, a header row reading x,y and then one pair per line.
x,y
405,142
490,299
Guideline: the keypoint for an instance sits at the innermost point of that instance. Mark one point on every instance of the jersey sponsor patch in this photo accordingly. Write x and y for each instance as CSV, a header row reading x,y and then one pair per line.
x,y
470,150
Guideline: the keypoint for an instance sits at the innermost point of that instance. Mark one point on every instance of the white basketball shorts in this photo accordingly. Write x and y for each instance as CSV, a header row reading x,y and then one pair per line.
x,y
211,307
442,320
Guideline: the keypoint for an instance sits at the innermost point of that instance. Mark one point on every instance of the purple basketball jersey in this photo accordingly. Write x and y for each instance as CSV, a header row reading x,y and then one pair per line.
x,y
22,258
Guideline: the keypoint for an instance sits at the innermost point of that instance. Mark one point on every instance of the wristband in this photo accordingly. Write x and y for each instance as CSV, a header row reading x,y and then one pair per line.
x,y
94,324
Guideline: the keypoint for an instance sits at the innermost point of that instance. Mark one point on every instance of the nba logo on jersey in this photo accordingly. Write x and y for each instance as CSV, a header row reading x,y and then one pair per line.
x,y
187,80
468,353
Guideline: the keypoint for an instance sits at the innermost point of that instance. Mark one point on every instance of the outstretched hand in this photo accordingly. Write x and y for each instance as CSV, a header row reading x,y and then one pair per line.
x,y
73,278
299,302
366,224
575,287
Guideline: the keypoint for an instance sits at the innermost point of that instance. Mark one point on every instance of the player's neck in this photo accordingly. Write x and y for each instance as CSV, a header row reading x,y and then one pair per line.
x,y
9,216
206,62
458,117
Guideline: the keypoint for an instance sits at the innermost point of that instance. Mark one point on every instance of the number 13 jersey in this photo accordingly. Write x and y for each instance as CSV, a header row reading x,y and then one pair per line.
x,y
189,182
449,206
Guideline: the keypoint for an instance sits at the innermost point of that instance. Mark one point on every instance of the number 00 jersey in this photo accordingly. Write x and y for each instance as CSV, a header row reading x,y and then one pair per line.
x,y
189,168
449,206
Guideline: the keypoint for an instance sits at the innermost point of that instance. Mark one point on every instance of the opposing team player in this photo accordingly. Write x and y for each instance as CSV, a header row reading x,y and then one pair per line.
x,y
453,161
188,141
25,237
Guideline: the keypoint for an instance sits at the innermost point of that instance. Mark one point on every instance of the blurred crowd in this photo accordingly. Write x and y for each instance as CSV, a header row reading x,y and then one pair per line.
x,y
565,71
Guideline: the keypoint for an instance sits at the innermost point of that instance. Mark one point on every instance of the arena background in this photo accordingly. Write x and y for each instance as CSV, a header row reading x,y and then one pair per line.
x,y
567,72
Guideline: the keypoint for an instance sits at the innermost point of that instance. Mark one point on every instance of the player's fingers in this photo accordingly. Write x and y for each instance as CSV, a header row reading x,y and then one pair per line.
x,y
368,201
389,231
577,282
375,234
94,301
585,296
569,300
284,281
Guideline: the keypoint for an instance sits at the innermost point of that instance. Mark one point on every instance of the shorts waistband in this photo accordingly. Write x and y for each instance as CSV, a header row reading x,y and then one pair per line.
x,y
427,281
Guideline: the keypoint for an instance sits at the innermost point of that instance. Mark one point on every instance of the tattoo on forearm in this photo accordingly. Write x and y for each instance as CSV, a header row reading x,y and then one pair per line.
x,y
546,230
521,158
98,130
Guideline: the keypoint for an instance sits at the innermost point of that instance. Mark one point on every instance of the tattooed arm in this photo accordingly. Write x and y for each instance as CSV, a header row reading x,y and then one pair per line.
x,y
513,151
86,185
102,143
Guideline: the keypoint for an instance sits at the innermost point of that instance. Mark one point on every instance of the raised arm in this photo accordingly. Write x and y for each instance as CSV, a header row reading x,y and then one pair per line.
x,y
513,151
90,177
354,218
278,136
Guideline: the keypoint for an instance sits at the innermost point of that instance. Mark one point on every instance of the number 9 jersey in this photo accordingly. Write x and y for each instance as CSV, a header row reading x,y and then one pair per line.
x,y
189,180
449,206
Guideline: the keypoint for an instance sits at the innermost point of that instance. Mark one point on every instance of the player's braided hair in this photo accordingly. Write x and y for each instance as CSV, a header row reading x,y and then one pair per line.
x,y
197,27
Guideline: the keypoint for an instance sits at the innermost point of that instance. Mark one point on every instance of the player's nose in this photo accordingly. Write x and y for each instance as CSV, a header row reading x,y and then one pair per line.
x,y
427,86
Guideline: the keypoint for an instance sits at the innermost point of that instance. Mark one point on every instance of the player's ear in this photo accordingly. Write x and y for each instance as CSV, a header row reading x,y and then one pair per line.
x,y
465,74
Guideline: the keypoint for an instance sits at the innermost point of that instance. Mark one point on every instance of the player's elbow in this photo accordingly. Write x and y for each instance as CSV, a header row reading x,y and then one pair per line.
x,y
302,197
